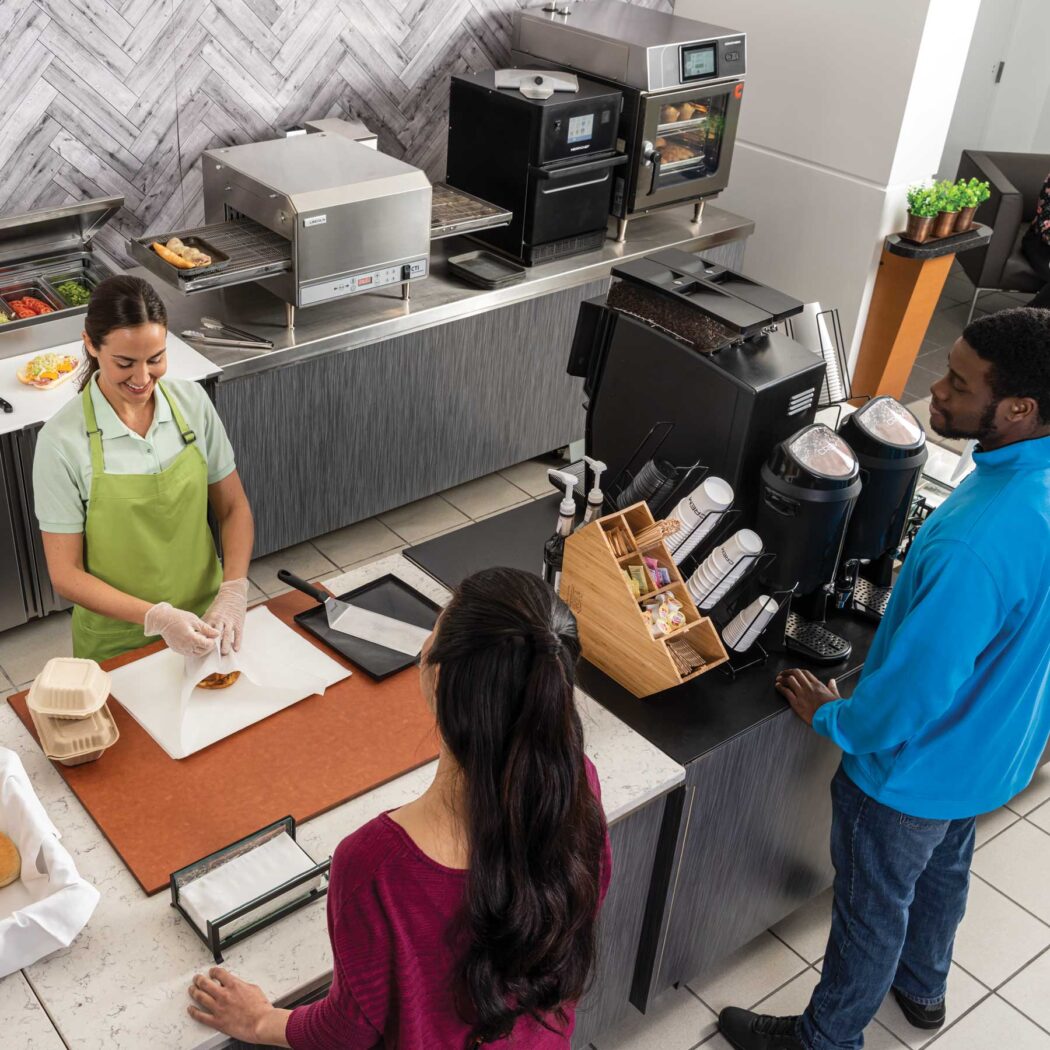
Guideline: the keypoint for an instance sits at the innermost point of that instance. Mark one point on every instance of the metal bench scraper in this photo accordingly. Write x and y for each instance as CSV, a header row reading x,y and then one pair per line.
x,y
360,623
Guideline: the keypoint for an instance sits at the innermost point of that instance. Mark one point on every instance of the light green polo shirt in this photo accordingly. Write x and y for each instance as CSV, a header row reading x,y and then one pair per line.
x,y
62,463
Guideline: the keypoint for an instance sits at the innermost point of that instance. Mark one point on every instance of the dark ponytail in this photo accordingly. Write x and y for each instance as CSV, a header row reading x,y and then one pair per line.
x,y
506,650
119,302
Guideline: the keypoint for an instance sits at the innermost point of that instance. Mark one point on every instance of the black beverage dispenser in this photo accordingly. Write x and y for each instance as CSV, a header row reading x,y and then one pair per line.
x,y
696,346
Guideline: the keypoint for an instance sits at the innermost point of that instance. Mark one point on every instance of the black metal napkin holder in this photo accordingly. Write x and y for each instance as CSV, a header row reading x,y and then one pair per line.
x,y
213,936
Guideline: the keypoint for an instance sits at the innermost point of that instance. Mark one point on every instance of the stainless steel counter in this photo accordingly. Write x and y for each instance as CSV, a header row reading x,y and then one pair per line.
x,y
370,318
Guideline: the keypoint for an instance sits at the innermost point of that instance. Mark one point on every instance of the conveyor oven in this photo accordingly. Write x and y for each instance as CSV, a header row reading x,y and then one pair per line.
x,y
313,218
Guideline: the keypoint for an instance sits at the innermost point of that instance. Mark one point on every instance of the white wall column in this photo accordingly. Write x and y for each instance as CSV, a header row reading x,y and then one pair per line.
x,y
846,103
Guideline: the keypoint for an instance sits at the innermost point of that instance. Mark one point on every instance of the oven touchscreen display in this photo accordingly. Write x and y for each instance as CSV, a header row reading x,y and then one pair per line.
x,y
581,129
698,61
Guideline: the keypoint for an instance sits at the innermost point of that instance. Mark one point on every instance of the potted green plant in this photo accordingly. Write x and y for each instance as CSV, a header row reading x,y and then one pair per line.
x,y
971,195
922,209
946,194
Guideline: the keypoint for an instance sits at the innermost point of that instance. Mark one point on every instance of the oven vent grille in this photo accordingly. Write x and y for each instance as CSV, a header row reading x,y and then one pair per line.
x,y
802,401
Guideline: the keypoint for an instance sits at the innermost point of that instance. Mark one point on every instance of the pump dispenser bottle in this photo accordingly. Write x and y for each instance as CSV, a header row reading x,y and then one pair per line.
x,y
554,548
595,497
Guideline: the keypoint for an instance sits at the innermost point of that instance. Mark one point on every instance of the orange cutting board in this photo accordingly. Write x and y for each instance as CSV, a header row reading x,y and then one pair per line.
x,y
160,814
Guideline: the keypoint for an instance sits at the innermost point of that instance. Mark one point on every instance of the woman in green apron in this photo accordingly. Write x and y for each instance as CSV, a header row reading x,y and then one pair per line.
x,y
123,477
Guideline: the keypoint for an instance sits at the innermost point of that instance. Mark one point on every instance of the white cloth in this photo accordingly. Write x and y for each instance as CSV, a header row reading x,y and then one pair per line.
x,y
51,904
245,877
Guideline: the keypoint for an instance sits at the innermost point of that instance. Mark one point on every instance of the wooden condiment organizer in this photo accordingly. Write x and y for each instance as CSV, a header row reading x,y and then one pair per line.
x,y
613,631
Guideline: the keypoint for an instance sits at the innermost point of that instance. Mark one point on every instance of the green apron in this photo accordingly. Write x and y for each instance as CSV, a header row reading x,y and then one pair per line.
x,y
147,535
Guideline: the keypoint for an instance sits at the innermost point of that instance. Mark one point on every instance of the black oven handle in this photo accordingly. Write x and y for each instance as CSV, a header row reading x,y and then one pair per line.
x,y
657,159
601,164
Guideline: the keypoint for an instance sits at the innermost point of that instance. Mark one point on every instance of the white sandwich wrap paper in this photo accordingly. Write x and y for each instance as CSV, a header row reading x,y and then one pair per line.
x,y
278,668
46,909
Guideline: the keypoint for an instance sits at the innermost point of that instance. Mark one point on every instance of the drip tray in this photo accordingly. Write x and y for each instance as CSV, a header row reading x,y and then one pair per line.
x,y
250,252
485,270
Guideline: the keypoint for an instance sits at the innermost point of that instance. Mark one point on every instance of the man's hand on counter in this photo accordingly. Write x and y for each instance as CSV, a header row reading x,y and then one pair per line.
x,y
805,692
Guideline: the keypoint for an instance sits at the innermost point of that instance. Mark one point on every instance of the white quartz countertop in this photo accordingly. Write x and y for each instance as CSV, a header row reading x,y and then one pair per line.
x,y
33,407
23,1021
122,984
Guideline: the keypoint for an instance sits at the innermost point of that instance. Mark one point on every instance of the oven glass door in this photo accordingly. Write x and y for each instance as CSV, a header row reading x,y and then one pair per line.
x,y
691,135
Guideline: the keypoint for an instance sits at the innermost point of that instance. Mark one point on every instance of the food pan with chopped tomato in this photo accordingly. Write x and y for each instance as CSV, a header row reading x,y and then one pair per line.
x,y
27,299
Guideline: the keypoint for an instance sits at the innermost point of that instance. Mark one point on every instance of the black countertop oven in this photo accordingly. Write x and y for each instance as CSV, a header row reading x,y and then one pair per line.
x,y
682,83
548,160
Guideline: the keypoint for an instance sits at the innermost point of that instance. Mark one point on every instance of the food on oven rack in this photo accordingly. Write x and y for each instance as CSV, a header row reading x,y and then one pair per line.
x,y
29,306
219,681
670,114
10,861
182,256
47,370
673,152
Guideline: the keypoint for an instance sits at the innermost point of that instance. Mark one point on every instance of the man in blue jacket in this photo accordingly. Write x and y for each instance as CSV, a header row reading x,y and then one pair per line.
x,y
952,712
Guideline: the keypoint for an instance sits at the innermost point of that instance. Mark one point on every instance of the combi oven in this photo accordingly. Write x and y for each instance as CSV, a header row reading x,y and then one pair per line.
x,y
682,83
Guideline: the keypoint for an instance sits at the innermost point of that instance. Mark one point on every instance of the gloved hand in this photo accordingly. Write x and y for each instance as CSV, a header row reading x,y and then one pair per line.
x,y
185,633
226,614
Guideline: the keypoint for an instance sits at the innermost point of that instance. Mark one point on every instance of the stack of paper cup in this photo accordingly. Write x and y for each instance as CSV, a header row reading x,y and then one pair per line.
x,y
713,497
744,629
723,567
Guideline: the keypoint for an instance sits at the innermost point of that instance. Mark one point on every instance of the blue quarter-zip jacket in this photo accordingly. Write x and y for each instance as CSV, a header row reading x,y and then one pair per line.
x,y
952,711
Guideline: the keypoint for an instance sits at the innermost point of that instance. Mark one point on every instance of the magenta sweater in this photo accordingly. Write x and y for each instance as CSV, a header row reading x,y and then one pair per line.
x,y
390,915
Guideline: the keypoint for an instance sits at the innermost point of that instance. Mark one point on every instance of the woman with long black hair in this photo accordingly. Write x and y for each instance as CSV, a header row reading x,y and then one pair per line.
x,y
467,917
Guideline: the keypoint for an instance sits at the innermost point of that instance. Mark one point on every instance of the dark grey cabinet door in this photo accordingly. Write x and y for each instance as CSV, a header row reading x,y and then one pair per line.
x,y
753,847
14,607
633,841
330,441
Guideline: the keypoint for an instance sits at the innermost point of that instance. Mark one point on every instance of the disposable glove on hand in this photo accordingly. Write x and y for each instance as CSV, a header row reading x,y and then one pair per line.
x,y
227,612
186,633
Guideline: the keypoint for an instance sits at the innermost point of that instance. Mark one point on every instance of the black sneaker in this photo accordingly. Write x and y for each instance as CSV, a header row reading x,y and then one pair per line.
x,y
749,1031
920,1015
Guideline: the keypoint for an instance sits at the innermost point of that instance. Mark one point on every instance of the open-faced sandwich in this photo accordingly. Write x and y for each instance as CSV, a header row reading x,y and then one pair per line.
x,y
219,681
47,370
181,256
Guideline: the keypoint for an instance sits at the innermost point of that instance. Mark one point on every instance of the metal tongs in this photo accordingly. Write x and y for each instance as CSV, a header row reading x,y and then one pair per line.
x,y
226,335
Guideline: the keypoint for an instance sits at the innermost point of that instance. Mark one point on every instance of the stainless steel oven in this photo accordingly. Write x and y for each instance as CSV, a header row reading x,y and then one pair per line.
x,y
682,84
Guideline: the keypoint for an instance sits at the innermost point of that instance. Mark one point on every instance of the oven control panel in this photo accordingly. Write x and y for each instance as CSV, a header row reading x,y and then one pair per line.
x,y
367,281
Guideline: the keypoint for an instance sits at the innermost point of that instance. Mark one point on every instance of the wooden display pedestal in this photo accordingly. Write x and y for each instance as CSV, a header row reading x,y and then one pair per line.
x,y
907,290
613,631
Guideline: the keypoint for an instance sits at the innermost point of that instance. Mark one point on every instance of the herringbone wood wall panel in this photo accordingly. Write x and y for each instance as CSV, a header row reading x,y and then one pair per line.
x,y
101,97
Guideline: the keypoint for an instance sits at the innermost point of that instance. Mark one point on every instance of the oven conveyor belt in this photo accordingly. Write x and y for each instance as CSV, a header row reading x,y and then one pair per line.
x,y
248,252
453,212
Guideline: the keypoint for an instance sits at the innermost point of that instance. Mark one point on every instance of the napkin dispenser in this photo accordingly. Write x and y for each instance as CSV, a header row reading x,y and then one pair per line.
x,y
228,895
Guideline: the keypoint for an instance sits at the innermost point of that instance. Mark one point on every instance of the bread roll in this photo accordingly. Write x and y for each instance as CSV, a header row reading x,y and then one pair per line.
x,y
10,861
171,257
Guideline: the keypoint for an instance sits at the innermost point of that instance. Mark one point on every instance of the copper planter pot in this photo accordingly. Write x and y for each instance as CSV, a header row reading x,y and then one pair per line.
x,y
964,220
918,229
944,224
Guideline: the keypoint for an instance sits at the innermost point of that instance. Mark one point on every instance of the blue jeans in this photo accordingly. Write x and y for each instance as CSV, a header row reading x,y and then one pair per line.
x,y
900,894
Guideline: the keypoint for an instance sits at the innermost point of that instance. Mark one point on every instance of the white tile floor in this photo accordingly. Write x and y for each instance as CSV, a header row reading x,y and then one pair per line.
x,y
999,992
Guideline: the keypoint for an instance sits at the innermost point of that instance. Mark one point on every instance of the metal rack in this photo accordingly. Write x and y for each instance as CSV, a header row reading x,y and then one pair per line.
x,y
834,355
213,936
454,212
253,252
